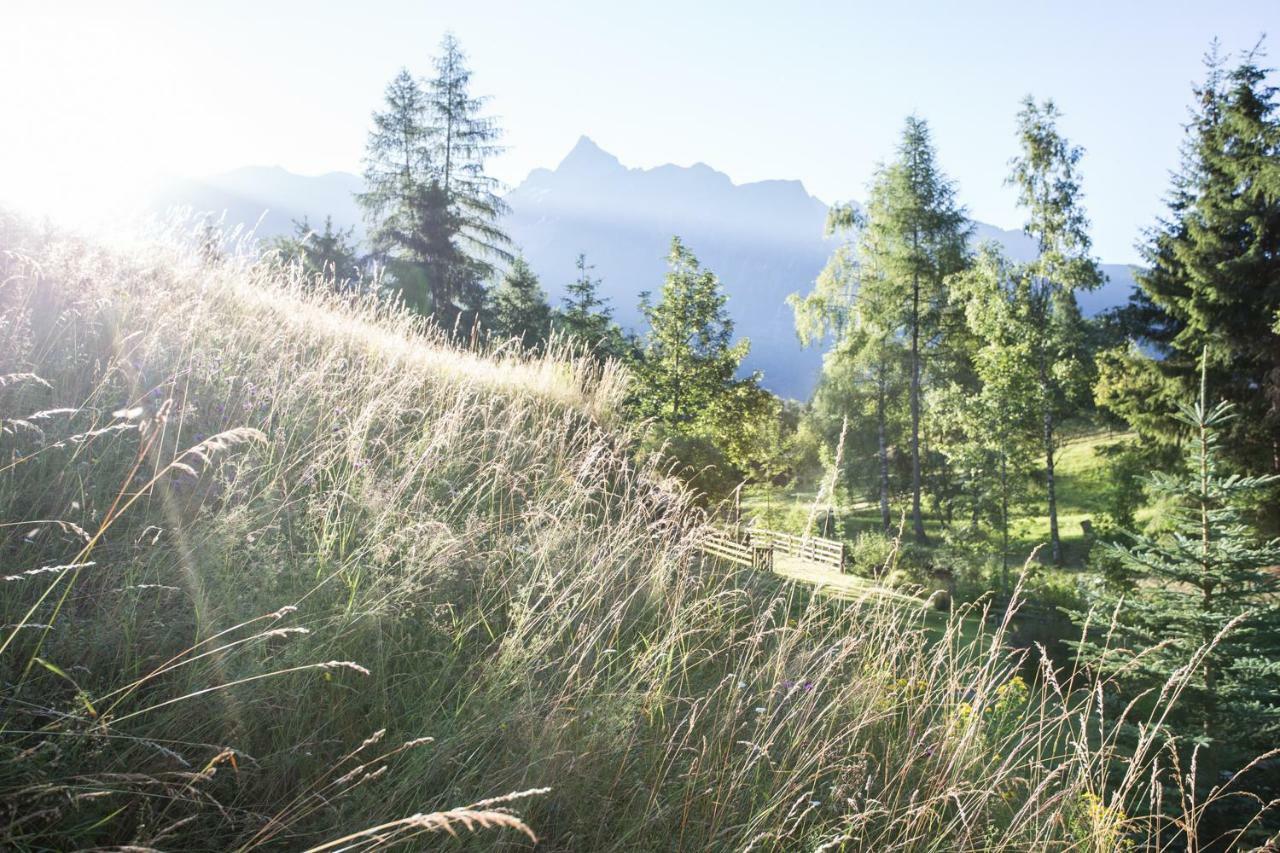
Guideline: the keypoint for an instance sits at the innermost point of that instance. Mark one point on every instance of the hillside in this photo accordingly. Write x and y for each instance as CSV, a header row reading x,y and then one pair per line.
x,y
284,569
764,239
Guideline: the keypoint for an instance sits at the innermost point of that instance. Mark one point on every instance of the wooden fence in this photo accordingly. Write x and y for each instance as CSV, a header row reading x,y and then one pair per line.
x,y
755,547
815,549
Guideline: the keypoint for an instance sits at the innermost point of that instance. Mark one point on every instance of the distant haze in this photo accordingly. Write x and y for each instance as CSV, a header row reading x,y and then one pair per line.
x,y
763,239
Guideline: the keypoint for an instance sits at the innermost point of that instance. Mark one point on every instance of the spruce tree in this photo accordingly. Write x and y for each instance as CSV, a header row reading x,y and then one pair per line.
x,y
461,140
1176,592
1048,183
585,317
520,308
689,356
433,211
1212,277
328,255
406,212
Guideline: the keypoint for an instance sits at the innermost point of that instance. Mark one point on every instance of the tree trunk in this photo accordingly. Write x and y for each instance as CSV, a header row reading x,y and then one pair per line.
x,y
1055,543
1004,522
917,521
885,522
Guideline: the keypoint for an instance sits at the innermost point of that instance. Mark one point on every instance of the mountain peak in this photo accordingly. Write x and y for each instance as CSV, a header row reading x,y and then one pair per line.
x,y
588,157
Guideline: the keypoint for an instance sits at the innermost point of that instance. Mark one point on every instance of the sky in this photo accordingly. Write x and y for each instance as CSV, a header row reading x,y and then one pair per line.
x,y
100,100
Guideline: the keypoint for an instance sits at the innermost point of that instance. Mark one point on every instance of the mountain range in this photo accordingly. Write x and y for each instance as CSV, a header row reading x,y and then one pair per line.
x,y
763,239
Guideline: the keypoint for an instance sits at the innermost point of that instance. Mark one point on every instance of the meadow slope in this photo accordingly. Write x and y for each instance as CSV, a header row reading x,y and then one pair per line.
x,y
283,569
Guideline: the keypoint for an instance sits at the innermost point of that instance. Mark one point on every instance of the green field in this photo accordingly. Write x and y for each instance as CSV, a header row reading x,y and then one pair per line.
x,y
1081,488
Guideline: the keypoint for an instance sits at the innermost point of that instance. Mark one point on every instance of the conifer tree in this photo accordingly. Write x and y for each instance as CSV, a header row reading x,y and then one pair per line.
x,y
520,308
1176,592
585,317
1045,175
689,357
433,211
403,204
461,139
327,255
918,233
1212,276
991,431
852,306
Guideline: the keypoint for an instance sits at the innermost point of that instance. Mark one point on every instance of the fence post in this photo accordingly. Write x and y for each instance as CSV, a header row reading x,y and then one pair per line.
x,y
844,557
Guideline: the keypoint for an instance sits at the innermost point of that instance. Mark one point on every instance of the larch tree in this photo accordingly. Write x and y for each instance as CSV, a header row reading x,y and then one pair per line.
x,y
918,234
850,307
1048,183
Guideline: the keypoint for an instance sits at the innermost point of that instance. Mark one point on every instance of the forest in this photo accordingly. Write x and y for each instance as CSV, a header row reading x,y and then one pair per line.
x,y
1062,530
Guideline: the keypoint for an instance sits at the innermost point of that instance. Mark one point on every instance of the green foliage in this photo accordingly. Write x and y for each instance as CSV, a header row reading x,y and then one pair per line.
x,y
1131,386
1213,263
317,570
1126,466
881,303
686,376
991,434
462,140
1200,595
690,357
520,307
433,211
873,553
328,257
916,236
1048,184
586,319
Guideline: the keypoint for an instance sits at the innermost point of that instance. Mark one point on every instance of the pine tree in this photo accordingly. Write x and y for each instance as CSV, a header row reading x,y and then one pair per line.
x,y
520,308
1045,175
689,356
1213,263
919,233
328,256
1177,592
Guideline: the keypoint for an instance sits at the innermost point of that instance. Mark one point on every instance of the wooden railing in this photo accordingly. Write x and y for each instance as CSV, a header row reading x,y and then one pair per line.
x,y
755,555
815,549
755,546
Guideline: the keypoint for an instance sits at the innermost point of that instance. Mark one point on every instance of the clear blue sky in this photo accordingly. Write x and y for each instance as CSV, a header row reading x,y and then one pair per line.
x,y
99,97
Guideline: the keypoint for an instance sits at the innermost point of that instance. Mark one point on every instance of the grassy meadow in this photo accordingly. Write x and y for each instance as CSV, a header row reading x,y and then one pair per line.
x,y
289,570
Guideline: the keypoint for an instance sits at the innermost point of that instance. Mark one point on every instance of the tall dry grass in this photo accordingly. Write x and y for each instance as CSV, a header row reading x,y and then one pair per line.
x,y
286,569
